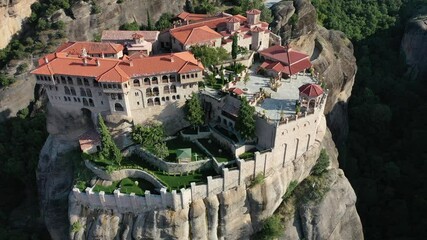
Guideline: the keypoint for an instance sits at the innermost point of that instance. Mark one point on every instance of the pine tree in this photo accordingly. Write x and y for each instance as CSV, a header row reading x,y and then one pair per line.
x,y
189,6
245,123
149,24
109,150
195,112
234,47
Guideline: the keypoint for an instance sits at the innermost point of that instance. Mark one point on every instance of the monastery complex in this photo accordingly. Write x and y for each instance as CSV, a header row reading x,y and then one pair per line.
x,y
134,74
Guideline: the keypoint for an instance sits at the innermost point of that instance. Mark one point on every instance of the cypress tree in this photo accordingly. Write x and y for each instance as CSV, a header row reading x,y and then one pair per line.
x,y
195,112
149,24
245,123
109,150
234,47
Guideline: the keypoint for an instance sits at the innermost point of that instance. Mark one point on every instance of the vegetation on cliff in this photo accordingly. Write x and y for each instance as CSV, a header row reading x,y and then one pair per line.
x,y
384,157
21,139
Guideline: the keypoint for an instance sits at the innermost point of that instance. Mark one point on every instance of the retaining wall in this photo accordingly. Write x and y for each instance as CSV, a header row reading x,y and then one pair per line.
x,y
266,162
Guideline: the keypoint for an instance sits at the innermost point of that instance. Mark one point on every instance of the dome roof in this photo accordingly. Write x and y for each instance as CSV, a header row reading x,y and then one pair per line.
x,y
311,90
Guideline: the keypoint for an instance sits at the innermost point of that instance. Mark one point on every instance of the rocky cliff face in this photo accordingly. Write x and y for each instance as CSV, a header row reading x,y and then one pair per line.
x,y
414,46
236,213
335,217
12,14
85,25
331,54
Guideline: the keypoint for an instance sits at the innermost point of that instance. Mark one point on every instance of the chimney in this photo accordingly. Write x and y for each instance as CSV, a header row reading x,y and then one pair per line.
x,y
102,55
172,60
84,61
46,60
130,62
98,63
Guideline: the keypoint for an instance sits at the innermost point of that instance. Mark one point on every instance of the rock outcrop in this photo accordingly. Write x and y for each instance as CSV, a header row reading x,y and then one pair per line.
x,y
17,96
12,15
414,46
333,218
85,25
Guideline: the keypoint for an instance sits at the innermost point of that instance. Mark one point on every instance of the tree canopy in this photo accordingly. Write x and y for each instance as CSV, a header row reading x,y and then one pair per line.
x,y
109,150
210,55
195,113
245,123
234,47
152,137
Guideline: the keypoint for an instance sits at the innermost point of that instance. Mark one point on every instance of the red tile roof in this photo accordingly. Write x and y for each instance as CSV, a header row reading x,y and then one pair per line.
x,y
120,35
192,16
196,35
253,11
89,139
233,20
311,90
118,70
236,91
75,48
296,60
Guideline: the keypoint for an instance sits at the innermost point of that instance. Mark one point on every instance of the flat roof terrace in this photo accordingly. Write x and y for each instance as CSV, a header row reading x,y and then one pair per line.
x,y
281,101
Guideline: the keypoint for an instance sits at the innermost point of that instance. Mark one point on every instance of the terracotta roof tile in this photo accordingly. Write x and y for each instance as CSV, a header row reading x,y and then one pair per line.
x,y
196,35
253,11
75,48
311,90
118,70
121,35
296,60
192,16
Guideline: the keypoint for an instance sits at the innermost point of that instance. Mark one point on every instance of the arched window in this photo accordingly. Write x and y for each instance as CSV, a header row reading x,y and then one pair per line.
x,y
88,92
70,80
149,92
136,83
178,96
66,90
165,79
172,78
85,103
173,97
157,101
86,82
166,90
150,102
167,98
156,91
118,107
146,81
79,81
73,91
82,92
173,89
163,99
63,81
91,102
154,80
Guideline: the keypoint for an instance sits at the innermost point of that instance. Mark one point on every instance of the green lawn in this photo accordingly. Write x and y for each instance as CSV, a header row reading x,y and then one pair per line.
x,y
172,182
127,185
213,147
178,143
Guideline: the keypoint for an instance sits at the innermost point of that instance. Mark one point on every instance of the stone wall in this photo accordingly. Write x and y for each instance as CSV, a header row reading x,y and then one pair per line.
x,y
172,168
264,163
123,173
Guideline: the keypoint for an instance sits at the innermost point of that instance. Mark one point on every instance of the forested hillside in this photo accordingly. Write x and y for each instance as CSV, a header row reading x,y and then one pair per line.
x,y
385,156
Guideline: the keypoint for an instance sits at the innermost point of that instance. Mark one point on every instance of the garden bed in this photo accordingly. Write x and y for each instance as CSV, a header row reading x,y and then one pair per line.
x,y
127,185
173,182
213,147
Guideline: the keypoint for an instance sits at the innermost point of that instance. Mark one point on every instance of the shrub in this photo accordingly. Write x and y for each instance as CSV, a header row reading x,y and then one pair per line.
x,y
76,227
290,190
272,227
247,155
321,164
21,68
259,179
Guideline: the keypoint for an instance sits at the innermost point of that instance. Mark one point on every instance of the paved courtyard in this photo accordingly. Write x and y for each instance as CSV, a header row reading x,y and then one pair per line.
x,y
281,101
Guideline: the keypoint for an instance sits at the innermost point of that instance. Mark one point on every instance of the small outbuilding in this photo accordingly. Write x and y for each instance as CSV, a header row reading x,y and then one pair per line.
x,y
310,95
183,155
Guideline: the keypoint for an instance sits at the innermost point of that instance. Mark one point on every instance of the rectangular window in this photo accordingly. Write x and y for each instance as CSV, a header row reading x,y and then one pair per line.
x,y
95,83
119,96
